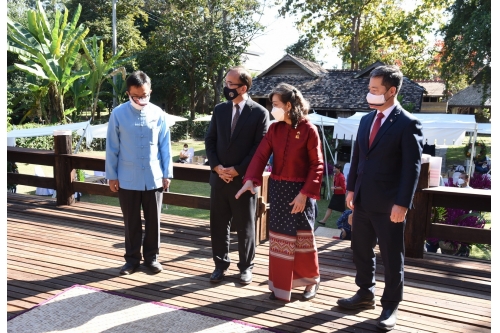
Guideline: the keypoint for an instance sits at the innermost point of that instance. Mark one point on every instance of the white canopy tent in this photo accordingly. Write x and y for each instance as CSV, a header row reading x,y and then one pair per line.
x,y
440,129
204,118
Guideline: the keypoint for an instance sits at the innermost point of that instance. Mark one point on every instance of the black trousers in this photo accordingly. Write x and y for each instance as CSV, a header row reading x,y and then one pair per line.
x,y
226,210
131,202
368,227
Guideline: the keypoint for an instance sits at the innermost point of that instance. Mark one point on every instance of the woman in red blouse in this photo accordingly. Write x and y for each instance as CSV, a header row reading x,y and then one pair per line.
x,y
294,184
337,201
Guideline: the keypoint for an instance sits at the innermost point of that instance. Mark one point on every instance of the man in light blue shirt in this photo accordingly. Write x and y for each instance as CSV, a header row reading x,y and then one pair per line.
x,y
139,168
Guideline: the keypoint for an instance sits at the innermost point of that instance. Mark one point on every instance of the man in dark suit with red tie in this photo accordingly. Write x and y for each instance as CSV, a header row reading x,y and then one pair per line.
x,y
382,180
235,131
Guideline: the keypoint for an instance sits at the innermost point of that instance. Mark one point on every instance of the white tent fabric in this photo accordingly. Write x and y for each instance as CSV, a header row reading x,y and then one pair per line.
x,y
441,129
204,118
44,131
318,119
483,128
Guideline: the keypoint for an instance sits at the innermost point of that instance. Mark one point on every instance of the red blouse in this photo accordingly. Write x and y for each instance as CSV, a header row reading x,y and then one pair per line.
x,y
339,181
296,153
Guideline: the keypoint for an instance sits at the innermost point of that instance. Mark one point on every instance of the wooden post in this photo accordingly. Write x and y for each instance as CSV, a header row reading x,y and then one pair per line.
x,y
262,218
416,218
63,171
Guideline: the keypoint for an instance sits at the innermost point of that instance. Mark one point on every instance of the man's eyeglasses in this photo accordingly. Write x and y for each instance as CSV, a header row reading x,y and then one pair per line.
x,y
140,97
230,84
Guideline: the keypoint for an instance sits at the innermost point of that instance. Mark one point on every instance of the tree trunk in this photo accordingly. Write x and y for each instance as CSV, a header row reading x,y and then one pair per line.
x,y
56,107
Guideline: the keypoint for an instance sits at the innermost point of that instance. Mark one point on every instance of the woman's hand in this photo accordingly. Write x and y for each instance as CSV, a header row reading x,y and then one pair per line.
x,y
299,203
248,186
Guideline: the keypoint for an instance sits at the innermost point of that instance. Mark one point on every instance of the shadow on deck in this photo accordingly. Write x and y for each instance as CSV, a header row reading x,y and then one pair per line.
x,y
52,248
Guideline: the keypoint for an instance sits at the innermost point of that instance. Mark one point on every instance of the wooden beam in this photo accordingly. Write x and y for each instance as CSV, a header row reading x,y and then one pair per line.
x,y
462,198
31,156
460,234
30,180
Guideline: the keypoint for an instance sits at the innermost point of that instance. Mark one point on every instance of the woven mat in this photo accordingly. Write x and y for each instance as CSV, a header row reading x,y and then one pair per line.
x,y
85,309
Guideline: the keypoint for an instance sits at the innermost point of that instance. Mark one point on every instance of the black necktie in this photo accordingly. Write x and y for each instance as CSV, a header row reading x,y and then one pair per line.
x,y
235,118
376,127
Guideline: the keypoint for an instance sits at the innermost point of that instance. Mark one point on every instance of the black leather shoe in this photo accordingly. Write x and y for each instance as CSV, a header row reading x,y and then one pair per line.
x,y
246,277
154,267
356,302
273,297
128,268
387,319
217,276
321,223
309,294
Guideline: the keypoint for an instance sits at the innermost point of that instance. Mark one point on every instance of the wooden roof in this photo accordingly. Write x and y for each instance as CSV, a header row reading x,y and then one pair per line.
x,y
432,88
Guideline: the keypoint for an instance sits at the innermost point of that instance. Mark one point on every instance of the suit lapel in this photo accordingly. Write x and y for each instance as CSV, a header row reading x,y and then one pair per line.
x,y
391,120
228,119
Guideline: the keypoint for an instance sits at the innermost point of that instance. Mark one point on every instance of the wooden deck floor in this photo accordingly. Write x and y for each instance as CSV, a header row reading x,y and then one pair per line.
x,y
52,248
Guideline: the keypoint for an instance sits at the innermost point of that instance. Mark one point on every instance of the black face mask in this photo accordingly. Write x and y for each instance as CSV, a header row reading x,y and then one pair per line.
x,y
230,94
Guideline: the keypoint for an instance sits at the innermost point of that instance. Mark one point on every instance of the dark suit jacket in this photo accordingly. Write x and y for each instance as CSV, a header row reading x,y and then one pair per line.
x,y
236,150
386,173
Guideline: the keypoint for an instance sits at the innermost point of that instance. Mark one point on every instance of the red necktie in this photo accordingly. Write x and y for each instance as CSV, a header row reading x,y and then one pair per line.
x,y
376,127
235,118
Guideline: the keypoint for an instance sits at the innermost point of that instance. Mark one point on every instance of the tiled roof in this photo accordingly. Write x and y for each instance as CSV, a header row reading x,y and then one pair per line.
x,y
433,88
309,67
469,97
334,90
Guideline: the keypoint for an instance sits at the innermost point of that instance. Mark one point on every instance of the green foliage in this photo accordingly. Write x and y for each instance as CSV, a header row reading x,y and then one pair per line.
x,y
467,42
97,16
101,69
303,48
370,30
80,175
48,51
196,41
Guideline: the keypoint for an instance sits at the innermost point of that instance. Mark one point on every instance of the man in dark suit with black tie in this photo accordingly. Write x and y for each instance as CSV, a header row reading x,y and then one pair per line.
x,y
235,131
382,180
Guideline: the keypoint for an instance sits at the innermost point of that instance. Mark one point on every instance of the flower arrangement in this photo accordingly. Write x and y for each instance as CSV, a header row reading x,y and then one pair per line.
x,y
480,149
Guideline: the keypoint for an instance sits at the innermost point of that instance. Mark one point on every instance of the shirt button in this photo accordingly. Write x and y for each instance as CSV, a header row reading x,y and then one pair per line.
x,y
142,136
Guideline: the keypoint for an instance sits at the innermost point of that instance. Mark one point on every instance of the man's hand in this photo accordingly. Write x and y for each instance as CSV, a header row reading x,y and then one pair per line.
x,y
231,171
166,183
348,200
398,213
299,203
248,186
114,185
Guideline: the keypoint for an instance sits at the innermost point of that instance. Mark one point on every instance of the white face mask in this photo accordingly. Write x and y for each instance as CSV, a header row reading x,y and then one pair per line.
x,y
278,114
142,103
375,99
460,182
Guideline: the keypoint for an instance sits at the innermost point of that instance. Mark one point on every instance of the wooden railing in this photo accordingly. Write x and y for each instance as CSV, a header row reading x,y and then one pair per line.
x,y
65,163
419,225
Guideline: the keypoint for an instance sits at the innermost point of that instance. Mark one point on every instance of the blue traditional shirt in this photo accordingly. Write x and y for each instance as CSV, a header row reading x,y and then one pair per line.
x,y
138,152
